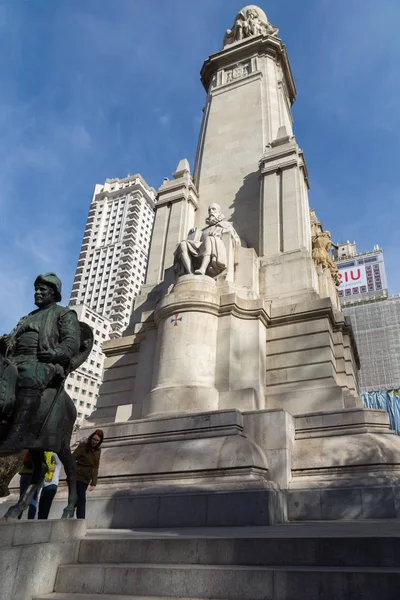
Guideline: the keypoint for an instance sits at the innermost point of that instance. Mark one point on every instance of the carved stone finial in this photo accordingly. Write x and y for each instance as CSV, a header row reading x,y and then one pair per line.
x,y
250,21
182,169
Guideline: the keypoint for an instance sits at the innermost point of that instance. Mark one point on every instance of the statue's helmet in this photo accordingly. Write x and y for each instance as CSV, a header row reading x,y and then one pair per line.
x,y
52,281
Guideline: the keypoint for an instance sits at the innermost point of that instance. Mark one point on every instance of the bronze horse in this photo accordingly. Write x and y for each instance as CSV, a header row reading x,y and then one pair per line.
x,y
51,429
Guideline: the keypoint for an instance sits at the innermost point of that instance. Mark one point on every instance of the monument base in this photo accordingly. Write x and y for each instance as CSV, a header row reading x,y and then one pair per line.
x,y
233,468
197,469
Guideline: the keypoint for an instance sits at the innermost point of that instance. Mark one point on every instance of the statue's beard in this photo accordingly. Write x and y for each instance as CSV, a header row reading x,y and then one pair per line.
x,y
214,219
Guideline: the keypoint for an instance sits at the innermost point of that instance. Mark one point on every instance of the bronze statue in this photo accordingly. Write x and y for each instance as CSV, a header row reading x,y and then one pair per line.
x,y
36,413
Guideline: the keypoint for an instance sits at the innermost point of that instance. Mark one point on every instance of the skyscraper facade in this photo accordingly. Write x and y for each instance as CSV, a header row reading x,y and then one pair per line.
x,y
112,262
363,275
111,269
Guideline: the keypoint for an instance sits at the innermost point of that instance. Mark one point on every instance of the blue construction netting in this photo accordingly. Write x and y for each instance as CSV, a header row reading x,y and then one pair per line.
x,y
389,401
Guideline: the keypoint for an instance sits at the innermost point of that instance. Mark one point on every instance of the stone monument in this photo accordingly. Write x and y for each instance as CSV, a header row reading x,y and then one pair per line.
x,y
233,395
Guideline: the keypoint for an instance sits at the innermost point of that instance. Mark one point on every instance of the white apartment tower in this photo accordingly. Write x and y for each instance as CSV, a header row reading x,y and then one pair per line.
x,y
84,383
112,262
111,269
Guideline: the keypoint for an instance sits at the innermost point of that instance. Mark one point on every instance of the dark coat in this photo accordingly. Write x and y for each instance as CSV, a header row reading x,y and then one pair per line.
x,y
87,462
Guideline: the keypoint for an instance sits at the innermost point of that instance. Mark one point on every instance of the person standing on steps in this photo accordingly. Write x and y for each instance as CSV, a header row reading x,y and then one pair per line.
x,y
25,474
87,457
50,487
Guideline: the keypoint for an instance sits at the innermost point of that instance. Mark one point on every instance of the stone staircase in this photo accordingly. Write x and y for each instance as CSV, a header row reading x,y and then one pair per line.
x,y
315,561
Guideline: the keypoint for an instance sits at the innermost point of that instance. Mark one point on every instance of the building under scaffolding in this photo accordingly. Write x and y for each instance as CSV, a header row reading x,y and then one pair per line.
x,y
376,326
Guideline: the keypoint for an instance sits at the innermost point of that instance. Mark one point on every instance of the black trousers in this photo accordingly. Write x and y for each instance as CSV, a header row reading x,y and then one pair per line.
x,y
46,500
81,503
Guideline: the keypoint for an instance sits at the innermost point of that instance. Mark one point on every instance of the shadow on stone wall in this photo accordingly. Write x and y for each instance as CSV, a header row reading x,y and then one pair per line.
x,y
246,211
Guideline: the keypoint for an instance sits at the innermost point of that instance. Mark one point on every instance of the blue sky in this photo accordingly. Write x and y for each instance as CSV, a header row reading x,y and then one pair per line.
x,y
102,88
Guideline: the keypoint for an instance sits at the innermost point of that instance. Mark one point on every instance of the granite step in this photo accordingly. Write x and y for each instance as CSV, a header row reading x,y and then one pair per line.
x,y
233,582
56,596
267,551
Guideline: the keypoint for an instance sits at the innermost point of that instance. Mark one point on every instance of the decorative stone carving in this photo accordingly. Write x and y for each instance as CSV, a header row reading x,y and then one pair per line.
x,y
204,252
237,72
316,225
250,21
321,246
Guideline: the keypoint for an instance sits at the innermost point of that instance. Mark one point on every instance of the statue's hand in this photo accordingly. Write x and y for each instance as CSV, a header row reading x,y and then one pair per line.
x,y
47,355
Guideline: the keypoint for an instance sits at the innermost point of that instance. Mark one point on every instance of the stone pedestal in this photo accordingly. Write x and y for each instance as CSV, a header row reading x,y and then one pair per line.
x,y
185,358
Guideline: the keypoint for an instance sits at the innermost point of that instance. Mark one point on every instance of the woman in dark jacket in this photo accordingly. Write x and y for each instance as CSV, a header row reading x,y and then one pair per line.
x,y
87,458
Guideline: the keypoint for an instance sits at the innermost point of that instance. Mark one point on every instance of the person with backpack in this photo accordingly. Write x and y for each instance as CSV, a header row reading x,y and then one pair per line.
x,y
25,474
50,487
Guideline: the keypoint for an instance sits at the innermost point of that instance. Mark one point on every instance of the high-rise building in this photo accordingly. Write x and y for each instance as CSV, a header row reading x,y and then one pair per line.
x,y
83,384
363,275
112,262
374,316
111,269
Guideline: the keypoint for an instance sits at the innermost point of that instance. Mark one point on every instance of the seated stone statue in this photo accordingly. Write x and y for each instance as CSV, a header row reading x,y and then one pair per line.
x,y
250,21
37,354
204,252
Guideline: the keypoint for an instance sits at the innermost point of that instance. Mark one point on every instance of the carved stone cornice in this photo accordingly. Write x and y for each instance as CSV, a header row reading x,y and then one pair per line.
x,y
123,345
260,45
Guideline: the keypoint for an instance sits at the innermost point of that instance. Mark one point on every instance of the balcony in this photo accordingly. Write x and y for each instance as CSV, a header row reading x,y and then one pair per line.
x,y
121,288
117,318
122,280
126,264
118,306
128,240
124,272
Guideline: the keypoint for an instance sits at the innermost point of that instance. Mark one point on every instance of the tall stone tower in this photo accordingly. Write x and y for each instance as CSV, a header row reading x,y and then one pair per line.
x,y
238,372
